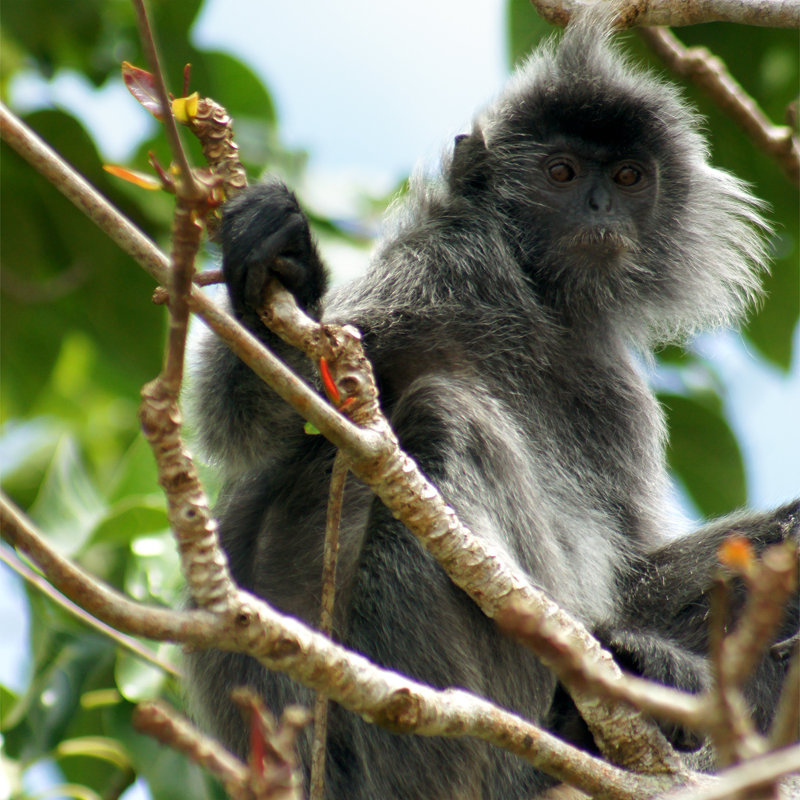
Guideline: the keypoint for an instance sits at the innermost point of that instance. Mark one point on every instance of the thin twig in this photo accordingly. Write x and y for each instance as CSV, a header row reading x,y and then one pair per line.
x,y
187,184
109,605
168,727
193,201
46,588
772,580
327,597
331,553
273,757
786,724
765,770
709,72
727,728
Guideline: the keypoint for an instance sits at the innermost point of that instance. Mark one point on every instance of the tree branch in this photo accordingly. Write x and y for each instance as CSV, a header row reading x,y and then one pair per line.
x,y
373,455
142,249
382,696
43,585
757,772
166,726
763,13
699,65
330,555
108,605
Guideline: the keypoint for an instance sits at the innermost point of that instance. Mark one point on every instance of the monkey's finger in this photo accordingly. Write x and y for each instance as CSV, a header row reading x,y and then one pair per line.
x,y
261,263
286,240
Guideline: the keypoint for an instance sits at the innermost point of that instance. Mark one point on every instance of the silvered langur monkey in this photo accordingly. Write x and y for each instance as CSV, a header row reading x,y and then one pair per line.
x,y
578,224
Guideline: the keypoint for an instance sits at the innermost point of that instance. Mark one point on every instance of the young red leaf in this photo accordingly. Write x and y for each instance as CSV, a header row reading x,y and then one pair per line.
x,y
258,744
141,85
737,554
132,176
328,382
166,179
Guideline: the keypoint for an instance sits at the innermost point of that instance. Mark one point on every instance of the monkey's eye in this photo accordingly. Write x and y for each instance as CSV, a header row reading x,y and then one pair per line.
x,y
627,176
561,172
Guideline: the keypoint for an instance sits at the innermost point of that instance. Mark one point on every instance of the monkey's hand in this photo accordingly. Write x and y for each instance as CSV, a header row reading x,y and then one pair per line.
x,y
265,234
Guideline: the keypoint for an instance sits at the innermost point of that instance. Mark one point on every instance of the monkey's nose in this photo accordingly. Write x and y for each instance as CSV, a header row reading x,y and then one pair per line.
x,y
600,200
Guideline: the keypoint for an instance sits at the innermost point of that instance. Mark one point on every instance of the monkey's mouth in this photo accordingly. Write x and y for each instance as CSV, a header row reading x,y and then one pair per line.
x,y
598,240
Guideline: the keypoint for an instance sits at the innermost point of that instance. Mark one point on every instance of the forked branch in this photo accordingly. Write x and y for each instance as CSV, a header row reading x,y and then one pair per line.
x,y
701,66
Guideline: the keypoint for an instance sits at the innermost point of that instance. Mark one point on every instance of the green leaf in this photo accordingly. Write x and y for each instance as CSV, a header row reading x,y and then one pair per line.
x,y
130,518
137,680
68,505
771,330
136,472
8,700
62,275
74,791
154,572
100,747
676,355
26,449
237,87
704,454
526,29
63,668
63,35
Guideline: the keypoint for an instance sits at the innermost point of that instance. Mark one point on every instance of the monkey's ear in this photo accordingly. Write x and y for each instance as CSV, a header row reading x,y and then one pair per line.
x,y
469,168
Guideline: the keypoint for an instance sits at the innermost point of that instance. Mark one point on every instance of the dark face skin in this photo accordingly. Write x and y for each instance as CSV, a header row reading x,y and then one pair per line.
x,y
595,204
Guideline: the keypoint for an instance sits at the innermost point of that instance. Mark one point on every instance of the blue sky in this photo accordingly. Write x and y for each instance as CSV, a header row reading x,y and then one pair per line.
x,y
367,86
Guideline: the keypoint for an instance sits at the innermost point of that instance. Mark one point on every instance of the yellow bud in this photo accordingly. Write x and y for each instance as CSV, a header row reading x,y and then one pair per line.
x,y
185,108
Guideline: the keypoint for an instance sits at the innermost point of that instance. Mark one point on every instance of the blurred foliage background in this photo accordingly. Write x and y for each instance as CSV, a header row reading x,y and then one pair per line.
x,y
80,337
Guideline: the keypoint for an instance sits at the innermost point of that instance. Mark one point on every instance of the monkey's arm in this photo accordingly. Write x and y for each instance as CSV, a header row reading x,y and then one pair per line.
x,y
664,632
239,419
679,573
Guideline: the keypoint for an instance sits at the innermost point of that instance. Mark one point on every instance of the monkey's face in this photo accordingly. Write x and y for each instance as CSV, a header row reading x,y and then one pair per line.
x,y
594,206
587,216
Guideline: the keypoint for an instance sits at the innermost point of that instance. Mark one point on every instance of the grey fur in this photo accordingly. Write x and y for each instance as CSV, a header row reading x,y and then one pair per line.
x,y
504,349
